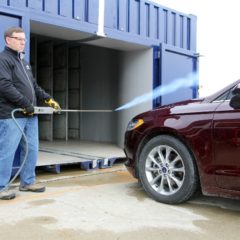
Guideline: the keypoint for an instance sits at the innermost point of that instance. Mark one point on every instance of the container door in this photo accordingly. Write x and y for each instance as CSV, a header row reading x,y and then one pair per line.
x,y
6,22
175,66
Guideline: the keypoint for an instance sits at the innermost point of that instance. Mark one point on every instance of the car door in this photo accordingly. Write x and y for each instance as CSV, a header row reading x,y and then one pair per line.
x,y
226,142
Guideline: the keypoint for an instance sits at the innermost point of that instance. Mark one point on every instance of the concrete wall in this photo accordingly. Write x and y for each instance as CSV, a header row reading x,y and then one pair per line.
x,y
135,79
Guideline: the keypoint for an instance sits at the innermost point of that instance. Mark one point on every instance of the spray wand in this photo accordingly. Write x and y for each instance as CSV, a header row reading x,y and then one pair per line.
x,y
49,110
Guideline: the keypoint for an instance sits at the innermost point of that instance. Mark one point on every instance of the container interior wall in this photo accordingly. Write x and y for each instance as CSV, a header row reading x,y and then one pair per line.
x,y
135,83
100,75
90,77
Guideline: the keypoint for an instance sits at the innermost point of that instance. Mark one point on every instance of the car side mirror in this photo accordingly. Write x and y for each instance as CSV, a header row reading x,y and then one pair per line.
x,y
235,100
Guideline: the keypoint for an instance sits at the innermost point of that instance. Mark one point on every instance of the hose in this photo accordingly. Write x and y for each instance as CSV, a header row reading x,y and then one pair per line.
x,y
26,149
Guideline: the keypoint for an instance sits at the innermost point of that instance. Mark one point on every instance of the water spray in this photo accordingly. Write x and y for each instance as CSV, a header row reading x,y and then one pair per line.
x,y
190,81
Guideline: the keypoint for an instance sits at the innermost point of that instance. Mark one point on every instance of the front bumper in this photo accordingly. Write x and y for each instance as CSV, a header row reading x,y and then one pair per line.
x,y
132,169
130,149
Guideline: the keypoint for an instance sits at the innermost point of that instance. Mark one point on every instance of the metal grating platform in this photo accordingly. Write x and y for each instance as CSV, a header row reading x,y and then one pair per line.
x,y
88,155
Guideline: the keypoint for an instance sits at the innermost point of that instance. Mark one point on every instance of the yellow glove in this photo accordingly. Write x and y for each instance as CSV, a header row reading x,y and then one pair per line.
x,y
52,103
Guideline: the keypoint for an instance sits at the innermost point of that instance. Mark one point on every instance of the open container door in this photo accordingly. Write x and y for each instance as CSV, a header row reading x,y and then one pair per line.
x,y
175,64
7,21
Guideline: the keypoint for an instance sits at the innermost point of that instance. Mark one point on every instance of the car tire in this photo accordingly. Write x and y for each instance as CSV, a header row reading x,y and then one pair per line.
x,y
167,170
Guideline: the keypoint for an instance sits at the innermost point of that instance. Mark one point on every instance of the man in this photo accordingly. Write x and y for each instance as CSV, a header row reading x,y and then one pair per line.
x,y
18,89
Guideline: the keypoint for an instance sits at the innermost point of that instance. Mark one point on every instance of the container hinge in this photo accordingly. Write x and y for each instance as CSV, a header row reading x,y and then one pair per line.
x,y
157,54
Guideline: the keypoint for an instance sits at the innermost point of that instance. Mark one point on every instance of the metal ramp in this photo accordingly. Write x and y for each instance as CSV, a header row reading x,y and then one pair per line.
x,y
88,155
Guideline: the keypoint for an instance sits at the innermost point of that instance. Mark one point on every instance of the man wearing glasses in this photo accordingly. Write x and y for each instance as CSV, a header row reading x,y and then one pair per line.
x,y
18,89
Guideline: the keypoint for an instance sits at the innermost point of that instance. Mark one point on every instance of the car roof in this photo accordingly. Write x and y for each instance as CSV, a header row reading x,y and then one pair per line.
x,y
220,92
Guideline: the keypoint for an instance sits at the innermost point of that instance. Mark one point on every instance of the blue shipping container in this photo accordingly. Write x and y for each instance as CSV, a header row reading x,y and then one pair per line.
x,y
89,58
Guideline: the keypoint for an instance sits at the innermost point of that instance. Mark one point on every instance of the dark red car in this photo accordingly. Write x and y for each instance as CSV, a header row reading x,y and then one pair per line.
x,y
178,148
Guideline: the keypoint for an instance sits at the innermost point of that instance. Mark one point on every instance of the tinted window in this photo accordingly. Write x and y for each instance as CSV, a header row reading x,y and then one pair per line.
x,y
225,96
230,95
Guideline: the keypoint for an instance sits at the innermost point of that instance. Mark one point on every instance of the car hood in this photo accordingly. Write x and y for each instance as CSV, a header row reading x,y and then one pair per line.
x,y
174,108
187,107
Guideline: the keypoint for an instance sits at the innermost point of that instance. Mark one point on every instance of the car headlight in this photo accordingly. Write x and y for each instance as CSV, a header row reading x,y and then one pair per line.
x,y
135,123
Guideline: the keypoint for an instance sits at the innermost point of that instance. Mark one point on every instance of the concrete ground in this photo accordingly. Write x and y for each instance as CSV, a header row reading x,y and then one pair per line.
x,y
110,204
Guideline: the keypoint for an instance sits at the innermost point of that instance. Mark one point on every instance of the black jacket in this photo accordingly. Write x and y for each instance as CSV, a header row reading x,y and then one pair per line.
x,y
18,88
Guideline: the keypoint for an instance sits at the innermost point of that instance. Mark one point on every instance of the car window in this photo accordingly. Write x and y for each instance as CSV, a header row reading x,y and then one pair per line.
x,y
225,96
230,95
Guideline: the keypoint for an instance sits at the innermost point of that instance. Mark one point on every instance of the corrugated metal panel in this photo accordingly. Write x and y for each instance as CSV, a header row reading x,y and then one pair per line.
x,y
79,10
143,18
17,3
156,18
134,17
92,11
65,8
183,64
7,21
129,18
36,4
111,17
146,20
85,10
51,7
3,2
122,26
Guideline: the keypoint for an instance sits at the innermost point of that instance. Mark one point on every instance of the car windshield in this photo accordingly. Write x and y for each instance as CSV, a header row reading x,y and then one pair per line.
x,y
225,96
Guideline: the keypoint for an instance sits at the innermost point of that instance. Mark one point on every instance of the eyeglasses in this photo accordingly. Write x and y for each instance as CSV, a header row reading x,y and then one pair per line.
x,y
19,39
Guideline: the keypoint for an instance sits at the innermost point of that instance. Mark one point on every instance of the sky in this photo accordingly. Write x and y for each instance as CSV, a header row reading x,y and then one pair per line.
x,y
218,40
